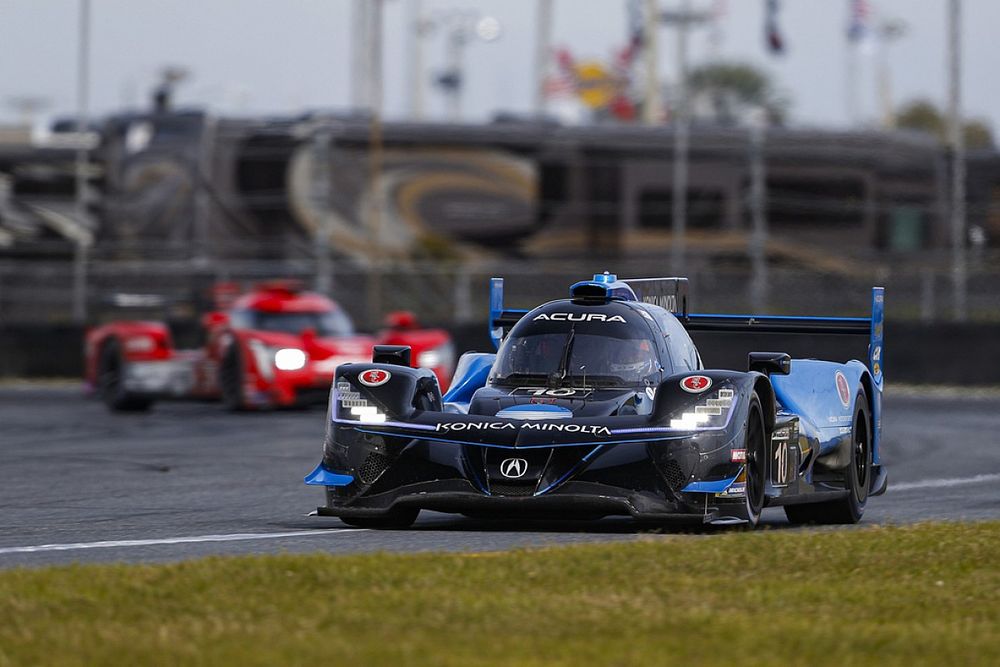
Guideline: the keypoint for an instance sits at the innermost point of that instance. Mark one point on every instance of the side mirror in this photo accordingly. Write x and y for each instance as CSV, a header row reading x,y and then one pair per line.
x,y
401,319
214,319
398,355
770,362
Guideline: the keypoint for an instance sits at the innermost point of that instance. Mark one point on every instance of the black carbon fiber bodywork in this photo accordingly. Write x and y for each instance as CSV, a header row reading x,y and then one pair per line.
x,y
603,463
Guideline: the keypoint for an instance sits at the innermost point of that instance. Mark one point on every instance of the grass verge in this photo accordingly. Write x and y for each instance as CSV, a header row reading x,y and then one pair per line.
x,y
924,594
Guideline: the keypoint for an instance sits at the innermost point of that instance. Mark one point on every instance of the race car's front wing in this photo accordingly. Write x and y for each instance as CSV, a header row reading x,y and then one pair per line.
x,y
641,480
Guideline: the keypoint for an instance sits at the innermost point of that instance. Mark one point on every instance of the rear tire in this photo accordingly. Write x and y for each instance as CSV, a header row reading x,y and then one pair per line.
x,y
111,382
857,477
396,519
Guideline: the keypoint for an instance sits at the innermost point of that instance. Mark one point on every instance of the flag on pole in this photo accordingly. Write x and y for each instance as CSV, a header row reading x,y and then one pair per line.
x,y
859,24
775,42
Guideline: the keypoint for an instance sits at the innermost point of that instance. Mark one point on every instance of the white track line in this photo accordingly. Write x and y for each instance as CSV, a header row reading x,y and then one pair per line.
x,y
232,537
943,483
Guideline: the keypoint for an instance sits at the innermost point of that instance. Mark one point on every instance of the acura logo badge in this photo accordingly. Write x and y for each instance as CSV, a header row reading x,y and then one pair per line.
x,y
513,468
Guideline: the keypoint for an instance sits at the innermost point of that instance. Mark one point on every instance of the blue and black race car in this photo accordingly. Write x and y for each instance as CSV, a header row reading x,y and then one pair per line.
x,y
599,405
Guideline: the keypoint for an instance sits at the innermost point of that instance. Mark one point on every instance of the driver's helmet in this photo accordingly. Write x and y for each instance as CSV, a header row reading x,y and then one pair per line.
x,y
633,358
532,354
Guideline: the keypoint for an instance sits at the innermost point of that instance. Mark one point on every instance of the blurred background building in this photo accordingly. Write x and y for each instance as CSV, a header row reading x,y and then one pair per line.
x,y
688,142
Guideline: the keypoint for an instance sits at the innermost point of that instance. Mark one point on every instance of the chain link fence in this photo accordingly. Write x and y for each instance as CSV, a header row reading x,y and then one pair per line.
x,y
40,291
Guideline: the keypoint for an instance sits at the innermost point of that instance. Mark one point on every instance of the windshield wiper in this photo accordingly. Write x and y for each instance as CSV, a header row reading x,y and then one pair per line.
x,y
555,379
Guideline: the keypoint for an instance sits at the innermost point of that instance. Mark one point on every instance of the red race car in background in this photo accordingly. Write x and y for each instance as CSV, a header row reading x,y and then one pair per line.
x,y
276,346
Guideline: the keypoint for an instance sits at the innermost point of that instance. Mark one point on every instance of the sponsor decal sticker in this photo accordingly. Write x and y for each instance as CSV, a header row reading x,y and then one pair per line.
x,y
843,390
550,427
563,392
578,317
695,384
651,393
375,377
738,456
737,489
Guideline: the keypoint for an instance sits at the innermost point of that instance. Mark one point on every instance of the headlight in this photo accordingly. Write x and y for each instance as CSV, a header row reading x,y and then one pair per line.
x,y
711,412
349,405
289,359
140,344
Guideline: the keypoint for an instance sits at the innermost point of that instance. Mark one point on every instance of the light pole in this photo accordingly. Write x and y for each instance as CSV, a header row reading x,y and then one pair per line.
x,y
683,19
82,159
888,31
418,28
652,108
956,146
461,27
374,66
543,50
758,211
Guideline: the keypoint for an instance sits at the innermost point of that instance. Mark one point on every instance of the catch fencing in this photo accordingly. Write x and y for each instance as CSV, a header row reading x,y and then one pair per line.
x,y
41,291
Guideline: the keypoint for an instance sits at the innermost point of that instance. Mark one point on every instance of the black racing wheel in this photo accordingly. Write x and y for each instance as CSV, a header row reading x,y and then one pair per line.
x,y
756,465
857,477
111,382
231,379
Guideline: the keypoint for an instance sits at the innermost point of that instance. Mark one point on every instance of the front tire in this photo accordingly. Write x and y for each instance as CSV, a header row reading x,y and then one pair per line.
x,y
231,379
857,477
111,382
756,465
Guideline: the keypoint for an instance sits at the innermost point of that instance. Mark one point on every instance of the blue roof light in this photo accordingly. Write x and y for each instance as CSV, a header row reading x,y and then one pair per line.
x,y
604,287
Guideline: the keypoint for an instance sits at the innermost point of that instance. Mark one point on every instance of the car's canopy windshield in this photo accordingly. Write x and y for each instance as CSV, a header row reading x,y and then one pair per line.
x,y
594,352
326,324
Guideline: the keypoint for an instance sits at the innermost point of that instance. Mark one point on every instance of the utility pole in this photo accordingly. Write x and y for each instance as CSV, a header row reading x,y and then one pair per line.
x,y
652,108
82,161
456,38
543,50
322,191
374,64
956,147
682,129
888,32
416,60
360,74
758,212
683,19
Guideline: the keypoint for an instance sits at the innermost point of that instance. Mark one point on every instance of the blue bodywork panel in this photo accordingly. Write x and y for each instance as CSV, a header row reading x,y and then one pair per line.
x,y
470,375
717,486
320,476
811,392
535,411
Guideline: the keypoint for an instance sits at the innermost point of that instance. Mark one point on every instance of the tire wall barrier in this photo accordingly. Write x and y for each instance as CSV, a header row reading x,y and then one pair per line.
x,y
946,353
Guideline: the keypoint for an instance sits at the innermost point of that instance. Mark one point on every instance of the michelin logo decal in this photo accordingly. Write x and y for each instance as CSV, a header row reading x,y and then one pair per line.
x,y
589,429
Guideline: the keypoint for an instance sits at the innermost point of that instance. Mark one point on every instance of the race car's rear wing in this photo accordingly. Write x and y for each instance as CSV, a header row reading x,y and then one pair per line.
x,y
671,293
501,321
867,326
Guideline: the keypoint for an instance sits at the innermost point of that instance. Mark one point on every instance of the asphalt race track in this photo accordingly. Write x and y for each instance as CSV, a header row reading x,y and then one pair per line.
x,y
188,479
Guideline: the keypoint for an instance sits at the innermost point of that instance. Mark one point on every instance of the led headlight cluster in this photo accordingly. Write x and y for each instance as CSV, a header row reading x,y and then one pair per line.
x,y
356,407
710,412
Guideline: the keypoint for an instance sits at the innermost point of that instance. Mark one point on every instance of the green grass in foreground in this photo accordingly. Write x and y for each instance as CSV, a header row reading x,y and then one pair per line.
x,y
923,594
